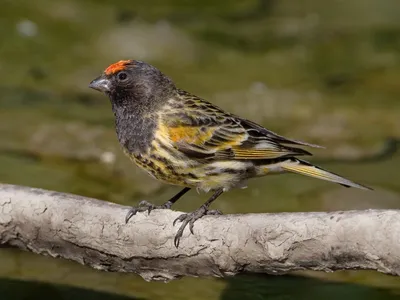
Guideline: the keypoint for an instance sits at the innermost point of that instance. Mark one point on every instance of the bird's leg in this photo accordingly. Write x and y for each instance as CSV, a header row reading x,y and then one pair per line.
x,y
145,205
190,218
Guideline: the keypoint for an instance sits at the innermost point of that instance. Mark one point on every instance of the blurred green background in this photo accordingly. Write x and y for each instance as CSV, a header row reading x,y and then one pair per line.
x,y
327,72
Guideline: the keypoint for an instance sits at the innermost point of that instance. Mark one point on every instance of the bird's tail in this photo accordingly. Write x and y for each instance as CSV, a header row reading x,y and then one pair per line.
x,y
304,168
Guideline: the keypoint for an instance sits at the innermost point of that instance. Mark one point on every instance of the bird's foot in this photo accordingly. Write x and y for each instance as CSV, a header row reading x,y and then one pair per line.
x,y
145,206
190,218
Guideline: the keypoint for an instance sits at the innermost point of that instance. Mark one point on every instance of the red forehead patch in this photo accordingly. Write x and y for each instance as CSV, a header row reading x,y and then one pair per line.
x,y
118,66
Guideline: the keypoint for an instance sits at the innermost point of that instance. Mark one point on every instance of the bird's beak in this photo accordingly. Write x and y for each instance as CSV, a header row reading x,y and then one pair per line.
x,y
100,84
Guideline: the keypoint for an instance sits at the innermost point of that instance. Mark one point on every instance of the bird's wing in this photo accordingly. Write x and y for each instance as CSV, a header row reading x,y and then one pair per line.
x,y
202,130
250,125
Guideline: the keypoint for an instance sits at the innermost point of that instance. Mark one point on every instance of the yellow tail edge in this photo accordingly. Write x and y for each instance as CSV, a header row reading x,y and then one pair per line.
x,y
304,168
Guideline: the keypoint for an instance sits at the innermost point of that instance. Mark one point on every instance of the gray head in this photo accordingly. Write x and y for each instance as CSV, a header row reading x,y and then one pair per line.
x,y
132,83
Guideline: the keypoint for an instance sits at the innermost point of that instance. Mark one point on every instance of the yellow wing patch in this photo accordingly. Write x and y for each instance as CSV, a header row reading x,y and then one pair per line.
x,y
116,67
189,135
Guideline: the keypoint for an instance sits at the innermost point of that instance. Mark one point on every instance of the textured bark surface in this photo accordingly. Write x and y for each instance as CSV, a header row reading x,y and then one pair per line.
x,y
93,233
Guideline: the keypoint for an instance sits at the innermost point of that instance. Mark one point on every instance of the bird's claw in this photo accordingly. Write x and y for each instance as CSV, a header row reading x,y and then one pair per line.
x,y
214,212
145,206
190,218
132,211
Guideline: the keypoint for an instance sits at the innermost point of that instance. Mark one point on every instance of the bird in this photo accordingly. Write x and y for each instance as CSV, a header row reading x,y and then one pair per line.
x,y
184,140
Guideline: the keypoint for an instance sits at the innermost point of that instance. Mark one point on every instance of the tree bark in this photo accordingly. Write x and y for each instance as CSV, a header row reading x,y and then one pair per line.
x,y
93,233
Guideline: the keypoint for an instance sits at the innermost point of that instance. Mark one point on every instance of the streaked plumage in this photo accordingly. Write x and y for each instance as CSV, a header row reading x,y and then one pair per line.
x,y
184,140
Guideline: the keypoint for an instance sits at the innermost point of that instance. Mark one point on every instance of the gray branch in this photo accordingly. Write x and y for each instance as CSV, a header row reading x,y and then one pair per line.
x,y
93,233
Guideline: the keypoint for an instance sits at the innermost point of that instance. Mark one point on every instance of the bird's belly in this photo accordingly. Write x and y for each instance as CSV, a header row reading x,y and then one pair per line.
x,y
159,169
220,174
195,174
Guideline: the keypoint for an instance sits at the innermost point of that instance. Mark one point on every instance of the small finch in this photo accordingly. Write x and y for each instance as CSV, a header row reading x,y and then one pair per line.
x,y
184,140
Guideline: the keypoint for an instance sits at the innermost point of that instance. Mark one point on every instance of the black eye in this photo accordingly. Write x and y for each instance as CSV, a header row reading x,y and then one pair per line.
x,y
122,76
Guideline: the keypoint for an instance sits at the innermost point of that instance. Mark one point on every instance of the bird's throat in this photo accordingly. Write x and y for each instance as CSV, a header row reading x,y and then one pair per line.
x,y
135,129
